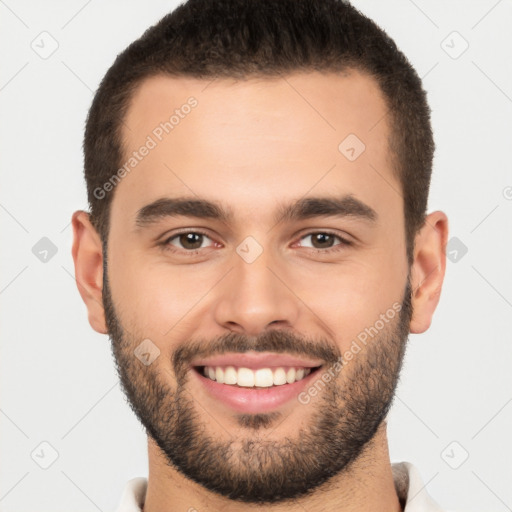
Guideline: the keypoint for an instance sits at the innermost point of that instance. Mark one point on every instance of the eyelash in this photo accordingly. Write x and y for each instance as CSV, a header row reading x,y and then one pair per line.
x,y
167,247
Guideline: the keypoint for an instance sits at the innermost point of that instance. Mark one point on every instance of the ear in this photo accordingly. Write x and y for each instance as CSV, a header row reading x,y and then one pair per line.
x,y
88,257
428,269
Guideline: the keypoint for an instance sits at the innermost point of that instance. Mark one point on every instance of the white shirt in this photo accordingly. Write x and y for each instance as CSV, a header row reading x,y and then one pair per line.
x,y
408,483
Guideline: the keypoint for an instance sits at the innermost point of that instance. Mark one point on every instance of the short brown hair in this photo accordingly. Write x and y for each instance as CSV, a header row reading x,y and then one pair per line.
x,y
254,38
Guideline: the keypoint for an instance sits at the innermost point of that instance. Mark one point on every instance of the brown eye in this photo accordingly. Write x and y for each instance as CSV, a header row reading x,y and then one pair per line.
x,y
322,240
191,240
188,241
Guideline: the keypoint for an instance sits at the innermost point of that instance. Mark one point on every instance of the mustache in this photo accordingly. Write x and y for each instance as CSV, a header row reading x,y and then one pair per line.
x,y
278,341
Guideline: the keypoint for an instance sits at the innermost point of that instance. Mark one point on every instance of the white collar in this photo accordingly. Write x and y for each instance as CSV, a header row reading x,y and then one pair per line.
x,y
411,490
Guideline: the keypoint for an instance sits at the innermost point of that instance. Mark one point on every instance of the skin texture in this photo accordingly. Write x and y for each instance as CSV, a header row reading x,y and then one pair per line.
x,y
251,146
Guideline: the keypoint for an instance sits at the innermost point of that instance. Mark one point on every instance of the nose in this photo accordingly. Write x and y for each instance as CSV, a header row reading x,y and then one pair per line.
x,y
255,295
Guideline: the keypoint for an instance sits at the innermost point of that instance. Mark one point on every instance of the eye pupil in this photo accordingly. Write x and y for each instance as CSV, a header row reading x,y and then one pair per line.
x,y
323,238
195,239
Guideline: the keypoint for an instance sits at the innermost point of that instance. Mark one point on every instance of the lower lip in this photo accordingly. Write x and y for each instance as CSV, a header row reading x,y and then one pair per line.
x,y
254,400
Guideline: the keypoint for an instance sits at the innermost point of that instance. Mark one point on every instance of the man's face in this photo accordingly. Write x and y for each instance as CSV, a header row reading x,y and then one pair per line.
x,y
311,285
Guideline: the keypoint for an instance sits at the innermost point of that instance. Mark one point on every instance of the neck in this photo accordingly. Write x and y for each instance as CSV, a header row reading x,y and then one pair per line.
x,y
367,485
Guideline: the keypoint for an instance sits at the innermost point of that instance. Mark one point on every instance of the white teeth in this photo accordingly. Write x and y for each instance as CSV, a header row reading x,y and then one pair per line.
x,y
230,375
279,377
262,377
219,375
290,376
245,377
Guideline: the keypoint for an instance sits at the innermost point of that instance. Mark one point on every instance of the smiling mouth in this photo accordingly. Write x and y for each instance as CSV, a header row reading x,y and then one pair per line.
x,y
239,376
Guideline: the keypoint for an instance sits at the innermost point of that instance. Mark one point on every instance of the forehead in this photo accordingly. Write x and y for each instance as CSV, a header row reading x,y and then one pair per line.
x,y
256,140
330,101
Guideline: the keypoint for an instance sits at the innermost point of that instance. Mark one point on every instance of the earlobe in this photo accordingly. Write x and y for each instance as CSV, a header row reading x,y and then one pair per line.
x,y
428,269
87,254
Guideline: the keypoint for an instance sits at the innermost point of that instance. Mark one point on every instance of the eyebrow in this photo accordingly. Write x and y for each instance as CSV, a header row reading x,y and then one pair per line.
x,y
305,208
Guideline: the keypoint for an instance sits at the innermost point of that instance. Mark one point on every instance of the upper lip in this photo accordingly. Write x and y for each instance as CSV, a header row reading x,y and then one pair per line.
x,y
257,360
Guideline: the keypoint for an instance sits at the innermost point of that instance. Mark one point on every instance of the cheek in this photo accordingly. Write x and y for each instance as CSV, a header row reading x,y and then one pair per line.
x,y
155,297
352,298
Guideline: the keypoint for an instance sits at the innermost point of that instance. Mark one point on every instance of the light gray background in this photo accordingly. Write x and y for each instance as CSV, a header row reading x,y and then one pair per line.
x,y
58,383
